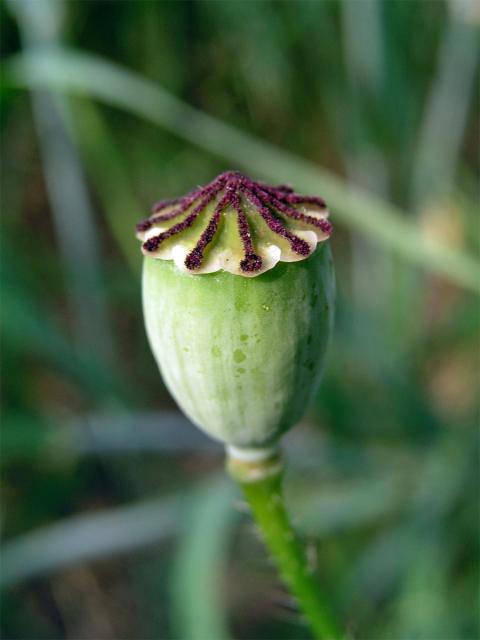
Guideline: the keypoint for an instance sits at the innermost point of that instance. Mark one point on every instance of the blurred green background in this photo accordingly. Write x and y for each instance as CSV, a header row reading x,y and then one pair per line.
x,y
118,521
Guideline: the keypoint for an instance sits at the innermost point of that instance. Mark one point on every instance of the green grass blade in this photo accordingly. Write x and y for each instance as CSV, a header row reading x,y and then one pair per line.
x,y
87,537
197,608
366,213
446,113
110,177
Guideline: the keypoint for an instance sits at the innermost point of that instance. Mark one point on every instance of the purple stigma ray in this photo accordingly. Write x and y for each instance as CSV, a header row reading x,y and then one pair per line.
x,y
285,194
297,244
190,196
251,261
152,244
185,203
280,190
276,205
194,259
146,224
228,175
323,224
294,198
163,204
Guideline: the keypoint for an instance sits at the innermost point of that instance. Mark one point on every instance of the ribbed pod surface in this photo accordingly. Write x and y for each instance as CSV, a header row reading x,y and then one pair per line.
x,y
241,356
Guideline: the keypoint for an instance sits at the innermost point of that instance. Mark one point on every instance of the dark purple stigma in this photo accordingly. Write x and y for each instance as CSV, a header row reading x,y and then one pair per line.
x,y
152,244
277,205
300,246
251,263
326,226
294,198
194,259
274,224
208,194
163,204
144,225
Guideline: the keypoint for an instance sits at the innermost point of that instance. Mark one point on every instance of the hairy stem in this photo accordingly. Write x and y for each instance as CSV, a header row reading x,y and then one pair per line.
x,y
261,483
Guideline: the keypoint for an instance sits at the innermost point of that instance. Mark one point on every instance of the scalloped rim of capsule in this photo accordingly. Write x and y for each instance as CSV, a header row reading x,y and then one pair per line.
x,y
229,261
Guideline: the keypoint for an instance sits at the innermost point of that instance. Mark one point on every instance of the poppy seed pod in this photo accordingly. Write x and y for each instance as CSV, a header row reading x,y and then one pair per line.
x,y
238,292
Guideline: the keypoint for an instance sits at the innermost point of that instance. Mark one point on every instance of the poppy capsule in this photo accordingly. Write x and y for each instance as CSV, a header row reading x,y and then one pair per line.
x,y
238,293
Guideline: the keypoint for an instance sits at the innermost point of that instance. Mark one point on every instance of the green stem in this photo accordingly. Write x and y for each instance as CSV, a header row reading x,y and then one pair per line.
x,y
262,486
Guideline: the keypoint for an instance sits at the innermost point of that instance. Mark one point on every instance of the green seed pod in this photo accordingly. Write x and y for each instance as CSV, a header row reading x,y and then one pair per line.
x,y
238,303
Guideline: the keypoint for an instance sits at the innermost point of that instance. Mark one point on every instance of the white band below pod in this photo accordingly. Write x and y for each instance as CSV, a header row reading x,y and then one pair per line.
x,y
250,454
